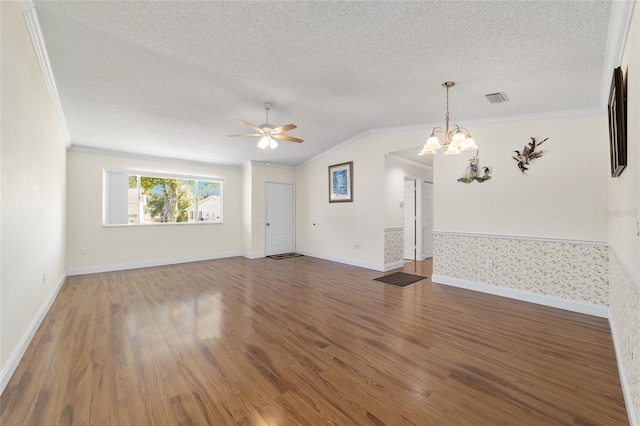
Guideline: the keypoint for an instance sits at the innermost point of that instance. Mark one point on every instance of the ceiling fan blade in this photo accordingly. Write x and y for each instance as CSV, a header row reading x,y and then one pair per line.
x,y
287,138
284,128
245,134
256,128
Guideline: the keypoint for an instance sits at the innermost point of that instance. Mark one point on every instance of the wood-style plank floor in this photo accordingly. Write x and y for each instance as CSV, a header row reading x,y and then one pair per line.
x,y
311,342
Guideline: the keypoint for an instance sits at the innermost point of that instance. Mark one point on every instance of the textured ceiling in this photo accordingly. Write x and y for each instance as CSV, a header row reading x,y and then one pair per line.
x,y
173,78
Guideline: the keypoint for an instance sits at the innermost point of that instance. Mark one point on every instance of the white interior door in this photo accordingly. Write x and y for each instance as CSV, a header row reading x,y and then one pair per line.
x,y
427,227
409,223
280,220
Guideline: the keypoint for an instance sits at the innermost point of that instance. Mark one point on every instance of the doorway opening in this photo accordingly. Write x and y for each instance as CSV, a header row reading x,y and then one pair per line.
x,y
280,218
410,218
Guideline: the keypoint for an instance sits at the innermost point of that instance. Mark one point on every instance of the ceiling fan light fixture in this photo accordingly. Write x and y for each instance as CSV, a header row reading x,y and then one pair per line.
x,y
264,142
268,133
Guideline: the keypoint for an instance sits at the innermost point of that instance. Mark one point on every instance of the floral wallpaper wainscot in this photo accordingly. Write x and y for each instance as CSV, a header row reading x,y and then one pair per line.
x,y
624,311
393,246
569,270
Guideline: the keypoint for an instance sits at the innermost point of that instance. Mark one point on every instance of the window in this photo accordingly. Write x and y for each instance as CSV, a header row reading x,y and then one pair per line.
x,y
132,197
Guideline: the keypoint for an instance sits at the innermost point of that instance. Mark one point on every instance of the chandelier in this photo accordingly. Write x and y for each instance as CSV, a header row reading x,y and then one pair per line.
x,y
456,138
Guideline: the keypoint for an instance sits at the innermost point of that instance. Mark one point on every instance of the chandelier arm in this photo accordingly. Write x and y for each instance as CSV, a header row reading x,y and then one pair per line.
x,y
457,129
452,131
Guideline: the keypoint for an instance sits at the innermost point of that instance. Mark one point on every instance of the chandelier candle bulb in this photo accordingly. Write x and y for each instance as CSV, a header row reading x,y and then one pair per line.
x,y
470,145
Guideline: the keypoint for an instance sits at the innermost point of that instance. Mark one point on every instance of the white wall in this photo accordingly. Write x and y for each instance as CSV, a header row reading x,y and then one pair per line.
x,y
526,236
396,170
246,210
118,247
260,175
340,226
624,191
33,192
563,195
623,217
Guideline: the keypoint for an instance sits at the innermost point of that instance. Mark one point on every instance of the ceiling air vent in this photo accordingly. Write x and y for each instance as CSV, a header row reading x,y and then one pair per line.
x,y
496,98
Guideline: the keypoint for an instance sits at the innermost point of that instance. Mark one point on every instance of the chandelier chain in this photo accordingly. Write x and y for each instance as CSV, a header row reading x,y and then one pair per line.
x,y
447,116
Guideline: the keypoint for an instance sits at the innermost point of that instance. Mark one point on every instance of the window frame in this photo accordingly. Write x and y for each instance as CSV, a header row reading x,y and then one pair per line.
x,y
160,175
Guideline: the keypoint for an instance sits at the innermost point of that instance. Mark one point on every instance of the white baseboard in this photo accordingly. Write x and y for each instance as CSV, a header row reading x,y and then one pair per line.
x,y
394,265
146,264
540,299
556,302
16,356
253,255
352,262
626,390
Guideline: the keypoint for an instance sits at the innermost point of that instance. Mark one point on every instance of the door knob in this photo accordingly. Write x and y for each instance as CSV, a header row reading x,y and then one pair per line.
x,y
268,224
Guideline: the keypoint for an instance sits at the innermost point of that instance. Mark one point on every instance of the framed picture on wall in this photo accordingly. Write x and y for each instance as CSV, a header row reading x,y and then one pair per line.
x,y
617,124
341,183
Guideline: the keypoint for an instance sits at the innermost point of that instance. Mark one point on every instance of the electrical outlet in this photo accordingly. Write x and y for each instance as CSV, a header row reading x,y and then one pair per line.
x,y
83,252
358,247
44,278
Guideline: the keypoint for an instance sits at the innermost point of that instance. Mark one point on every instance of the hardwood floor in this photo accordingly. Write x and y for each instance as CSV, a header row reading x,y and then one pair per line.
x,y
307,341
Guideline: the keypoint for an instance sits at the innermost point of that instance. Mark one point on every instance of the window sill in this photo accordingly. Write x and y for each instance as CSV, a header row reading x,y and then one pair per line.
x,y
130,225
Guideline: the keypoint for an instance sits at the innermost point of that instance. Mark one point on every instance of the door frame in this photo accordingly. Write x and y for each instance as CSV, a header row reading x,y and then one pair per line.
x,y
419,222
425,183
266,213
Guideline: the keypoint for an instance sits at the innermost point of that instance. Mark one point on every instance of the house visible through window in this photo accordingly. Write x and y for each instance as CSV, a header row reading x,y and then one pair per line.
x,y
143,198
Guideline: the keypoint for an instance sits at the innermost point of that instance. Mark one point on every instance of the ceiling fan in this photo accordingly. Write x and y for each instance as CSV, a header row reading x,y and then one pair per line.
x,y
268,133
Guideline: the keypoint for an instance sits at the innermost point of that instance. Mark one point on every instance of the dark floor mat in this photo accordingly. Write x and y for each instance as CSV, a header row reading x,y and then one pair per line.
x,y
400,279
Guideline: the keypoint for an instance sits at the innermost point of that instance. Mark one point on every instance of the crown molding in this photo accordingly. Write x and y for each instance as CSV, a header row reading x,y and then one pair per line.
x,y
619,24
81,149
408,162
35,33
333,148
26,5
575,113
271,165
553,115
